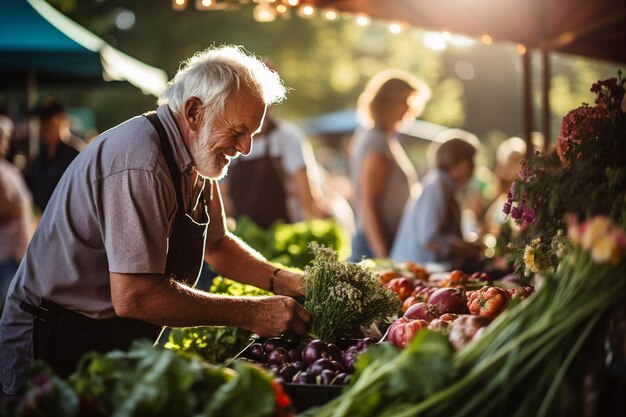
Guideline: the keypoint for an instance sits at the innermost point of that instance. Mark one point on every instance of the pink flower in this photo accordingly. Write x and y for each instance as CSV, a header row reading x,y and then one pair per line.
x,y
580,124
598,236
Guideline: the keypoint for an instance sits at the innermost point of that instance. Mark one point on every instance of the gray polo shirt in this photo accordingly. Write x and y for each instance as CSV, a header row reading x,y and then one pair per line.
x,y
112,211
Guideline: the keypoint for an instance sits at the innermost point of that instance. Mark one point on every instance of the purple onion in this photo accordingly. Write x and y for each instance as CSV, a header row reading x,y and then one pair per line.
x,y
299,365
287,372
295,355
271,344
304,377
257,353
313,351
319,365
348,362
278,356
325,377
364,343
332,352
341,378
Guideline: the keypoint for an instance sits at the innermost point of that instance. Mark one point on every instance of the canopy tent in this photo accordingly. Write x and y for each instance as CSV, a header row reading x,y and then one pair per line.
x,y
38,40
346,121
595,29
591,28
38,43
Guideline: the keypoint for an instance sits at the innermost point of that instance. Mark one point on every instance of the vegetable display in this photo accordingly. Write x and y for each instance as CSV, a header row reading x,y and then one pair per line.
x,y
530,361
388,379
149,381
316,362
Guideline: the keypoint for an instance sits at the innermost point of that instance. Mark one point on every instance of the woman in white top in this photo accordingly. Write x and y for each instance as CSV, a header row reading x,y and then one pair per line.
x,y
381,173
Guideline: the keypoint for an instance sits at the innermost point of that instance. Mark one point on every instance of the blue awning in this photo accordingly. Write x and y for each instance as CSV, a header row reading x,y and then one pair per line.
x,y
35,37
345,122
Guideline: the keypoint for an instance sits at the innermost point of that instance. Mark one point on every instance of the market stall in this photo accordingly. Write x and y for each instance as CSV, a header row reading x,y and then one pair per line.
x,y
399,339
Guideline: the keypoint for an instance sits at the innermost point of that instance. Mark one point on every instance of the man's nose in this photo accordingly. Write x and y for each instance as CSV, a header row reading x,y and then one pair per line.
x,y
244,145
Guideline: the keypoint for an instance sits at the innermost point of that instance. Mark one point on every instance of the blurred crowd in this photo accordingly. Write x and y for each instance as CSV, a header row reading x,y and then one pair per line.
x,y
449,217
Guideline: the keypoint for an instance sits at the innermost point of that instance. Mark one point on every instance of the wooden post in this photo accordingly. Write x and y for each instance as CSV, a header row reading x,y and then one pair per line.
x,y
547,114
528,101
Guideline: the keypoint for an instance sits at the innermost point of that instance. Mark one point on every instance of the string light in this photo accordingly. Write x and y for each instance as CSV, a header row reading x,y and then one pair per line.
x,y
179,5
521,49
263,12
331,15
203,4
268,10
306,11
362,20
395,28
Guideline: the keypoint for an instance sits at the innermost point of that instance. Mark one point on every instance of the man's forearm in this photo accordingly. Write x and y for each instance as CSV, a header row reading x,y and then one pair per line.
x,y
167,302
233,258
163,301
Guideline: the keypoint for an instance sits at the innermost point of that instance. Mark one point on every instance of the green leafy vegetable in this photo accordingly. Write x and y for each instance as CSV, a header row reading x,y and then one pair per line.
x,y
250,395
215,344
287,244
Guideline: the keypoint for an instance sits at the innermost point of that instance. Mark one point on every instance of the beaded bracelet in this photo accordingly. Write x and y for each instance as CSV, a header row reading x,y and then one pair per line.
x,y
274,275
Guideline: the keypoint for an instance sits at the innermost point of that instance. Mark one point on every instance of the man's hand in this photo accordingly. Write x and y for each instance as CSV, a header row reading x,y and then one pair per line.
x,y
288,283
277,315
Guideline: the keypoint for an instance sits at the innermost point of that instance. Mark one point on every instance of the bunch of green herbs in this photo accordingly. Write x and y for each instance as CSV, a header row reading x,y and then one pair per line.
x,y
343,296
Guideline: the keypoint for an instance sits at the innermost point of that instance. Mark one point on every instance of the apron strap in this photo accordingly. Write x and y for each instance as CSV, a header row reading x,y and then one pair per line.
x,y
169,157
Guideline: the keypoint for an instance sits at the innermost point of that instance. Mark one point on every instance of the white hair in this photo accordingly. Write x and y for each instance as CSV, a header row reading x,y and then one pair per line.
x,y
215,73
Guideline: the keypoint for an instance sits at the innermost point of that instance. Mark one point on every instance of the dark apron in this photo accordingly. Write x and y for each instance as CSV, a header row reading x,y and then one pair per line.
x,y
62,336
257,189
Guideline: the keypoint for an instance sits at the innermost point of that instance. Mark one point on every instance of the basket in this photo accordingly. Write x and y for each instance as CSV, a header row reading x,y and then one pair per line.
x,y
303,396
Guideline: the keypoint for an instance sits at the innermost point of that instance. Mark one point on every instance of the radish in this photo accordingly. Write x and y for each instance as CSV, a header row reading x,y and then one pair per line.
x,y
422,311
449,300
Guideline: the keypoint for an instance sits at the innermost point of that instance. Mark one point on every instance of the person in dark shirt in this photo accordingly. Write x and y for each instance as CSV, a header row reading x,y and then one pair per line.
x,y
55,154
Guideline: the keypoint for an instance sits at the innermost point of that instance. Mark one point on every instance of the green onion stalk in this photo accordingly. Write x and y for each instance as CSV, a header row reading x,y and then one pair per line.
x,y
531,359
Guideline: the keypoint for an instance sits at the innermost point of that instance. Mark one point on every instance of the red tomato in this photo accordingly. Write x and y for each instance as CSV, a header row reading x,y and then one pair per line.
x,y
401,286
410,300
403,330
387,276
488,301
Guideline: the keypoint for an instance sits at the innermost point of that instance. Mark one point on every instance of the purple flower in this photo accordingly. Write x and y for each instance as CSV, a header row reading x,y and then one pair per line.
x,y
516,212
528,215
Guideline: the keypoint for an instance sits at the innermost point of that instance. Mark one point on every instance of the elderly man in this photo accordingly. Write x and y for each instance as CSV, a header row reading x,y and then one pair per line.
x,y
121,242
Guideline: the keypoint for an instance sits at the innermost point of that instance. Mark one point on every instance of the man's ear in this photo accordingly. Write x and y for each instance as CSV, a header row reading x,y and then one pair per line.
x,y
192,112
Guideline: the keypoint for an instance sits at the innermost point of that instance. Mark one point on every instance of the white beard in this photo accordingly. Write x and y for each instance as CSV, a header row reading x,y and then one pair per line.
x,y
208,163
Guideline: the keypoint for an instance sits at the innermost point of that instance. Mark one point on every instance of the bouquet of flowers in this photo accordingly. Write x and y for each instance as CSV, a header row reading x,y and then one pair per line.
x,y
585,176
